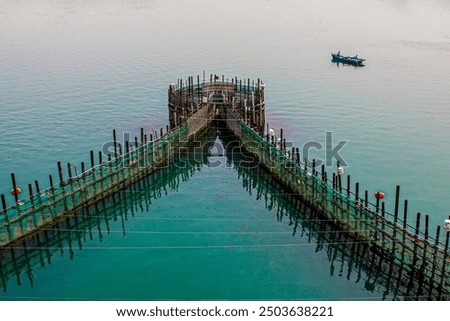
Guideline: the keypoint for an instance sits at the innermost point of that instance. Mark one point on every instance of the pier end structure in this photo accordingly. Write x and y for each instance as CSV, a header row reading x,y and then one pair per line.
x,y
197,103
192,106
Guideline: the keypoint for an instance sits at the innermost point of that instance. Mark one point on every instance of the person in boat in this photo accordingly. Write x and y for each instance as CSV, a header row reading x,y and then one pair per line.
x,y
339,53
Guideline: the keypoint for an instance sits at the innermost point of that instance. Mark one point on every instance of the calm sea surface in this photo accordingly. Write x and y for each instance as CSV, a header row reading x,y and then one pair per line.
x,y
72,71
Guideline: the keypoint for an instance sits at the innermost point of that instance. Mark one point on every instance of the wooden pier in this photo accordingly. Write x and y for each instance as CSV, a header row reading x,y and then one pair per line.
x,y
193,106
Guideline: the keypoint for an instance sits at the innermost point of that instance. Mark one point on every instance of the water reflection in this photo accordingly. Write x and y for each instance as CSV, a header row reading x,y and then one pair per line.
x,y
348,258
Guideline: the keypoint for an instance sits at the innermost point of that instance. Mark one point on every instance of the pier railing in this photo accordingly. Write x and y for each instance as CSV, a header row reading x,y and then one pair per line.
x,y
76,191
423,253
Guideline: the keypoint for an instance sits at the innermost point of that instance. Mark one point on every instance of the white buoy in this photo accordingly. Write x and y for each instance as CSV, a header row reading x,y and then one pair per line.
x,y
447,225
271,132
308,174
340,170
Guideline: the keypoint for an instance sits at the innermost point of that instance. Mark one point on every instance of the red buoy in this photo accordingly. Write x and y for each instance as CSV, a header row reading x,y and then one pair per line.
x,y
216,77
379,195
16,191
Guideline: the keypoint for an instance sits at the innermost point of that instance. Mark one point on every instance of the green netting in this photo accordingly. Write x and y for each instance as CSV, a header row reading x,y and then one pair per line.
x,y
362,220
94,184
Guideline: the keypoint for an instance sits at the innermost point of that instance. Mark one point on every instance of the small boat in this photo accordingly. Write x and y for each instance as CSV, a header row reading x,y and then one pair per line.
x,y
355,61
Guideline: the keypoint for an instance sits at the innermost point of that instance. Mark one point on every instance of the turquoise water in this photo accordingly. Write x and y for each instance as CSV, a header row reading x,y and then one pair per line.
x,y
173,237
70,72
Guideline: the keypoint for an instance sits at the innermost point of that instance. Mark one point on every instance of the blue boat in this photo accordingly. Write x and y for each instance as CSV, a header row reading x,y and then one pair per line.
x,y
355,61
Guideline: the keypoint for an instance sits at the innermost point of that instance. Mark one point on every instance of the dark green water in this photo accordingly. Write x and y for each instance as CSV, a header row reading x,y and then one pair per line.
x,y
209,227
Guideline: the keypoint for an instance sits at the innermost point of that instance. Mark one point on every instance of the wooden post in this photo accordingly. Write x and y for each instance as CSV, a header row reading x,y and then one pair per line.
x,y
281,138
5,208
30,192
405,214
100,162
52,188
136,148
115,143
338,180
424,255
397,198
435,247
83,168
383,213
323,172
348,187
438,232
92,159
13,179
314,167
69,171
417,223
446,243
51,193
357,192
198,87
38,189
5,213
111,176
161,132
60,173
142,135
366,199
